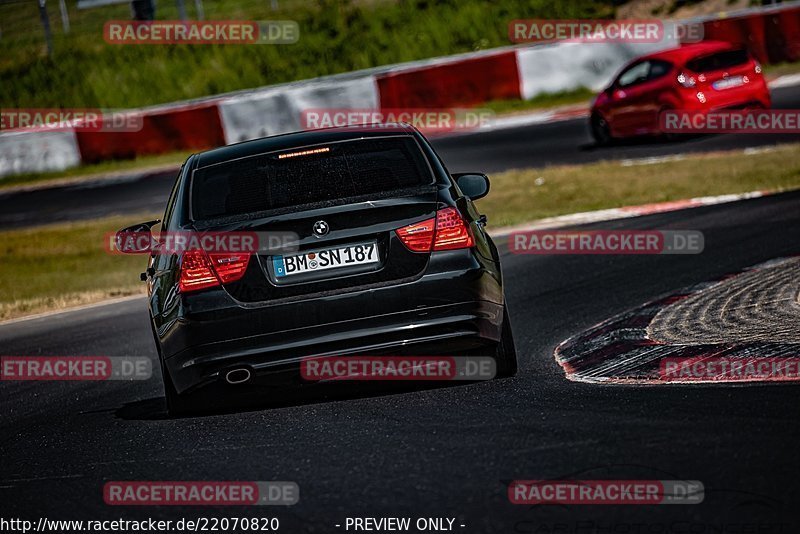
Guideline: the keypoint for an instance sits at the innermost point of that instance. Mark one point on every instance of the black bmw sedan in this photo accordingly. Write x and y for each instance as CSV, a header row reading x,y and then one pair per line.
x,y
389,257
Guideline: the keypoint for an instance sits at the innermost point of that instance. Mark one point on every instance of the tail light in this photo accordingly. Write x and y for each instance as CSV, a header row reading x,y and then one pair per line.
x,y
418,237
451,231
201,270
446,231
686,81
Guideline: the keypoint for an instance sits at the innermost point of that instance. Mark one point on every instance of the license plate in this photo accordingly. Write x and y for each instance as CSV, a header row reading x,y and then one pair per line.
x,y
324,259
727,83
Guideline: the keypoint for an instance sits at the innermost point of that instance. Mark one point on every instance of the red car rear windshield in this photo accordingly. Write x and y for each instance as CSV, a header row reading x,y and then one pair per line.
x,y
306,177
719,61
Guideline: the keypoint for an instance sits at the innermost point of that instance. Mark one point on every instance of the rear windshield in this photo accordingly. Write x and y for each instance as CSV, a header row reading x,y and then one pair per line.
x,y
306,177
719,61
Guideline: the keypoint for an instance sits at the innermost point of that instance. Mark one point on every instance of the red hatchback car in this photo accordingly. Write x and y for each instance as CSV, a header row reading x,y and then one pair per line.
x,y
703,76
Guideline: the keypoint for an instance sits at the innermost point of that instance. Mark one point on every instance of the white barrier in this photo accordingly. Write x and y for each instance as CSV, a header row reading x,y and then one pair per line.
x,y
560,67
546,68
278,110
38,151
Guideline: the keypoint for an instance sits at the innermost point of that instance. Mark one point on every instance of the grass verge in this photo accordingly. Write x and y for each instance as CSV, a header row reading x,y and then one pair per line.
x,y
782,69
64,265
97,170
541,101
523,195
335,37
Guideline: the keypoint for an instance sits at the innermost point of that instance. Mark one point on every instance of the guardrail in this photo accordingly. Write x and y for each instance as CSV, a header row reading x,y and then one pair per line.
x,y
464,80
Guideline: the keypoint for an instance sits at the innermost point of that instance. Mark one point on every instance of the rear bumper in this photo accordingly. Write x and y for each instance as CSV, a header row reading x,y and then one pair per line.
x,y
464,328
754,93
445,312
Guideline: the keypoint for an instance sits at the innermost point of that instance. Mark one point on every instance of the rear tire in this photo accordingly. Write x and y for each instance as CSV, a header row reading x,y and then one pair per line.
x,y
183,404
669,137
601,131
506,355
175,404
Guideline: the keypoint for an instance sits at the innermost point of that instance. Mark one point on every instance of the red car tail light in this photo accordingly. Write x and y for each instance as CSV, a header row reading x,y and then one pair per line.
x,y
686,81
447,231
200,270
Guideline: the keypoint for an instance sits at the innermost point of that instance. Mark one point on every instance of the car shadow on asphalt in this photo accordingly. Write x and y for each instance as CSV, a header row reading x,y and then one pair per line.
x,y
155,409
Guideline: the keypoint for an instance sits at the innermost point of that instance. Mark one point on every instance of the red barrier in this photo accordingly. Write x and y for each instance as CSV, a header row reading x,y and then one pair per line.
x,y
746,31
756,40
783,35
465,83
184,128
772,37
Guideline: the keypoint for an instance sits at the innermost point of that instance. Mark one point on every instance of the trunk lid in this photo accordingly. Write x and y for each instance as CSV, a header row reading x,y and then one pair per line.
x,y
722,71
341,205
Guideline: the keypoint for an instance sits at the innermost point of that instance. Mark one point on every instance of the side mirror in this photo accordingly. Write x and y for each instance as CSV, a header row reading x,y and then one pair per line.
x,y
136,239
472,184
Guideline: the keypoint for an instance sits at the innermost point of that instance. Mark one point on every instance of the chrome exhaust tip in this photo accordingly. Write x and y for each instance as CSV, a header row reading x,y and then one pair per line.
x,y
237,376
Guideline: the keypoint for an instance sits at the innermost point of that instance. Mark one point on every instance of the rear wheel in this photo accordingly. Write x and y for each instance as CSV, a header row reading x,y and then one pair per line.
x,y
506,355
179,404
176,405
669,136
186,403
601,132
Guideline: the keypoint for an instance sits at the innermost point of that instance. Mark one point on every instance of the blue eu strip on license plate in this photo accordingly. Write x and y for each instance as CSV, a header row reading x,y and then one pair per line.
x,y
324,259
277,263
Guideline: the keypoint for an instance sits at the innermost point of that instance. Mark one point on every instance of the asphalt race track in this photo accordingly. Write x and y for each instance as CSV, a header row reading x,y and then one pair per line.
x,y
440,452
491,151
